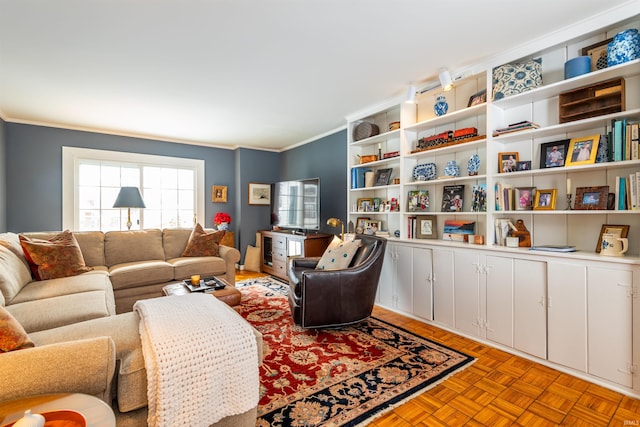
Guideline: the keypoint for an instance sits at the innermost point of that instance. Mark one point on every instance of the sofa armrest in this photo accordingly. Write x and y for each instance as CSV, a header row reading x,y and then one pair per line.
x,y
231,257
82,366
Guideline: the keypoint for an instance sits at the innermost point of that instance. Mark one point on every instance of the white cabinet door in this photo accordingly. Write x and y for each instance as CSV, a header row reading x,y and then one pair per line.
x,y
499,299
403,284
530,307
384,296
610,336
567,314
466,290
443,286
422,289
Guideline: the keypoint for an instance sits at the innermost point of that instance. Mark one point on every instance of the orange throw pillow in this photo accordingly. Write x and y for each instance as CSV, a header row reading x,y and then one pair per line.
x,y
58,257
12,334
203,243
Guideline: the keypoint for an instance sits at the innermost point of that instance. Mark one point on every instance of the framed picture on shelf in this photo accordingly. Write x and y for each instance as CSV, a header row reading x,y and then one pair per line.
x,y
545,200
479,198
452,198
582,151
365,205
507,161
525,198
619,230
418,200
598,54
377,203
426,227
259,194
592,198
219,194
383,177
524,165
553,154
360,223
478,98
372,226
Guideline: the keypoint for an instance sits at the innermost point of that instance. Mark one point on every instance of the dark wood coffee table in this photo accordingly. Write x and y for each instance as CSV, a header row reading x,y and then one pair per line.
x,y
229,294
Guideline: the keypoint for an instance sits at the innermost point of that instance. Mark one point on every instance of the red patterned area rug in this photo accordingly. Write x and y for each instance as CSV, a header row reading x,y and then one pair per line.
x,y
336,377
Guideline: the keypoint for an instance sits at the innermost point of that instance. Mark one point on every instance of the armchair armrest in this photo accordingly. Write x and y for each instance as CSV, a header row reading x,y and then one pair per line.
x,y
82,366
231,257
308,262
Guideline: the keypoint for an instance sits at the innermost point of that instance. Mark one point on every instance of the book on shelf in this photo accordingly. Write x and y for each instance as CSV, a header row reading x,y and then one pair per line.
x,y
516,127
504,197
357,177
554,248
503,226
625,144
452,198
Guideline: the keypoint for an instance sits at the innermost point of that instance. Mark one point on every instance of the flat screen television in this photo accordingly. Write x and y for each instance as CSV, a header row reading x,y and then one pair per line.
x,y
295,204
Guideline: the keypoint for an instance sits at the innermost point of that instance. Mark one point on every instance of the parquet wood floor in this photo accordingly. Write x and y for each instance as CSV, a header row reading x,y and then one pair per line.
x,y
501,389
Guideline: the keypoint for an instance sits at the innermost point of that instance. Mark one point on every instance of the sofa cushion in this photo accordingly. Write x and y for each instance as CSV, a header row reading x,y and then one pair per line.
x,y
186,267
12,334
134,274
122,247
175,241
14,275
11,241
59,256
203,243
42,289
38,315
339,257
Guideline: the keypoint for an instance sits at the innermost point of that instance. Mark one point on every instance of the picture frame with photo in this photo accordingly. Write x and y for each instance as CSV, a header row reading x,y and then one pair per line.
x,y
479,198
452,198
507,161
360,223
583,150
219,194
592,198
524,165
525,197
383,177
418,201
621,230
365,204
478,98
545,200
426,227
553,154
372,226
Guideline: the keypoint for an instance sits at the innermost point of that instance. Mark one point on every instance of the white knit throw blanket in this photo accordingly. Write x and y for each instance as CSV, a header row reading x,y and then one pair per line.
x,y
201,360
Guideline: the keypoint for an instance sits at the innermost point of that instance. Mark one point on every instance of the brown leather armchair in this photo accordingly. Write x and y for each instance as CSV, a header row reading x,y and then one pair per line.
x,y
331,298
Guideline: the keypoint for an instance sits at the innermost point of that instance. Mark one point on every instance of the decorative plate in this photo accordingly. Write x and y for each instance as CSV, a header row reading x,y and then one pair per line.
x,y
473,165
441,107
424,172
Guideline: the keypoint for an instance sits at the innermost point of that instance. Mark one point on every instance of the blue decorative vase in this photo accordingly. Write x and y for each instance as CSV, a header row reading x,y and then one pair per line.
x,y
473,165
624,47
452,169
441,107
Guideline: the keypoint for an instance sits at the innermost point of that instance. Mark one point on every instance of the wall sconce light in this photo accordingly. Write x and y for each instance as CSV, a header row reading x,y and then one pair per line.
x,y
334,222
445,79
129,197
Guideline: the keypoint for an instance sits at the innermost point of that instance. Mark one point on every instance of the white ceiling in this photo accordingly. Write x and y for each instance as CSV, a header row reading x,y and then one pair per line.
x,y
252,73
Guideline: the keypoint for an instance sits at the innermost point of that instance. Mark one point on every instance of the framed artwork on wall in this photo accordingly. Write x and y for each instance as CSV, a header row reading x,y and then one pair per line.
x,y
219,194
259,194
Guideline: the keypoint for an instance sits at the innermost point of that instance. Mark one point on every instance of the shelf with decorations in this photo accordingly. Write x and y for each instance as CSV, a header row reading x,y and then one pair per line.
x,y
570,220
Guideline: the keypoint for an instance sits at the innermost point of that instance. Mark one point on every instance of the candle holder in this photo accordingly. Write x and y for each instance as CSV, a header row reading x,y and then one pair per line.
x,y
569,202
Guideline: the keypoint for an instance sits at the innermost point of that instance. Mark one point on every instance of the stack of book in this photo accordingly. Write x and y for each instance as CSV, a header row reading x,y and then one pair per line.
x,y
516,127
627,192
505,197
625,141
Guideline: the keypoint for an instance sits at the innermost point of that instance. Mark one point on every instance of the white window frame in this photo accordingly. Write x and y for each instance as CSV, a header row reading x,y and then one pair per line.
x,y
70,166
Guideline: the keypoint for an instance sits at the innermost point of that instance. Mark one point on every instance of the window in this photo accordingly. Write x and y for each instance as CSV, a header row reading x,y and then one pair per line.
x,y
172,189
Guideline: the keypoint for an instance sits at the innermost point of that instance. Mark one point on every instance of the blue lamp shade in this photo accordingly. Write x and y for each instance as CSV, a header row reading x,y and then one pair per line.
x,y
129,197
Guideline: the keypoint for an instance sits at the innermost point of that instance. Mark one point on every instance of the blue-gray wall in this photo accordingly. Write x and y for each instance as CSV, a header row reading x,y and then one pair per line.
x,y
31,178
324,158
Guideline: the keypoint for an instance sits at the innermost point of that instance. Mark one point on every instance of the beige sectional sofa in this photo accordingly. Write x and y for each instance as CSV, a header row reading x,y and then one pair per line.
x,y
86,336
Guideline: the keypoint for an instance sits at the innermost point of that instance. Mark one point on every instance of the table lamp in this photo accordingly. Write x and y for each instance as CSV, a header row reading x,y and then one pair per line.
x,y
334,222
129,197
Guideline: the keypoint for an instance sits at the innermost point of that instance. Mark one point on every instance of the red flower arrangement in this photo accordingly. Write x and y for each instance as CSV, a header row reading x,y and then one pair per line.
x,y
222,217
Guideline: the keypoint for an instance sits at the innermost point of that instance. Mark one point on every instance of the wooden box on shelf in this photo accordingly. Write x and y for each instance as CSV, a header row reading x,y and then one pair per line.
x,y
598,99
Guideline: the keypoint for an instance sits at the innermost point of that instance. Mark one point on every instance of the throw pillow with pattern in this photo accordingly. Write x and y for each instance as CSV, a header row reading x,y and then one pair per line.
x,y
203,243
57,257
12,334
338,257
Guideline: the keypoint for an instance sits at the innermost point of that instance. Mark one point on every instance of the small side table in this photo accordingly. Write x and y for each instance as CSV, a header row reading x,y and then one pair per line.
x,y
95,411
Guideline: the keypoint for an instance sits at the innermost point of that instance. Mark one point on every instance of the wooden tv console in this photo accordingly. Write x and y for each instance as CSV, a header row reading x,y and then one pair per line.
x,y
276,247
